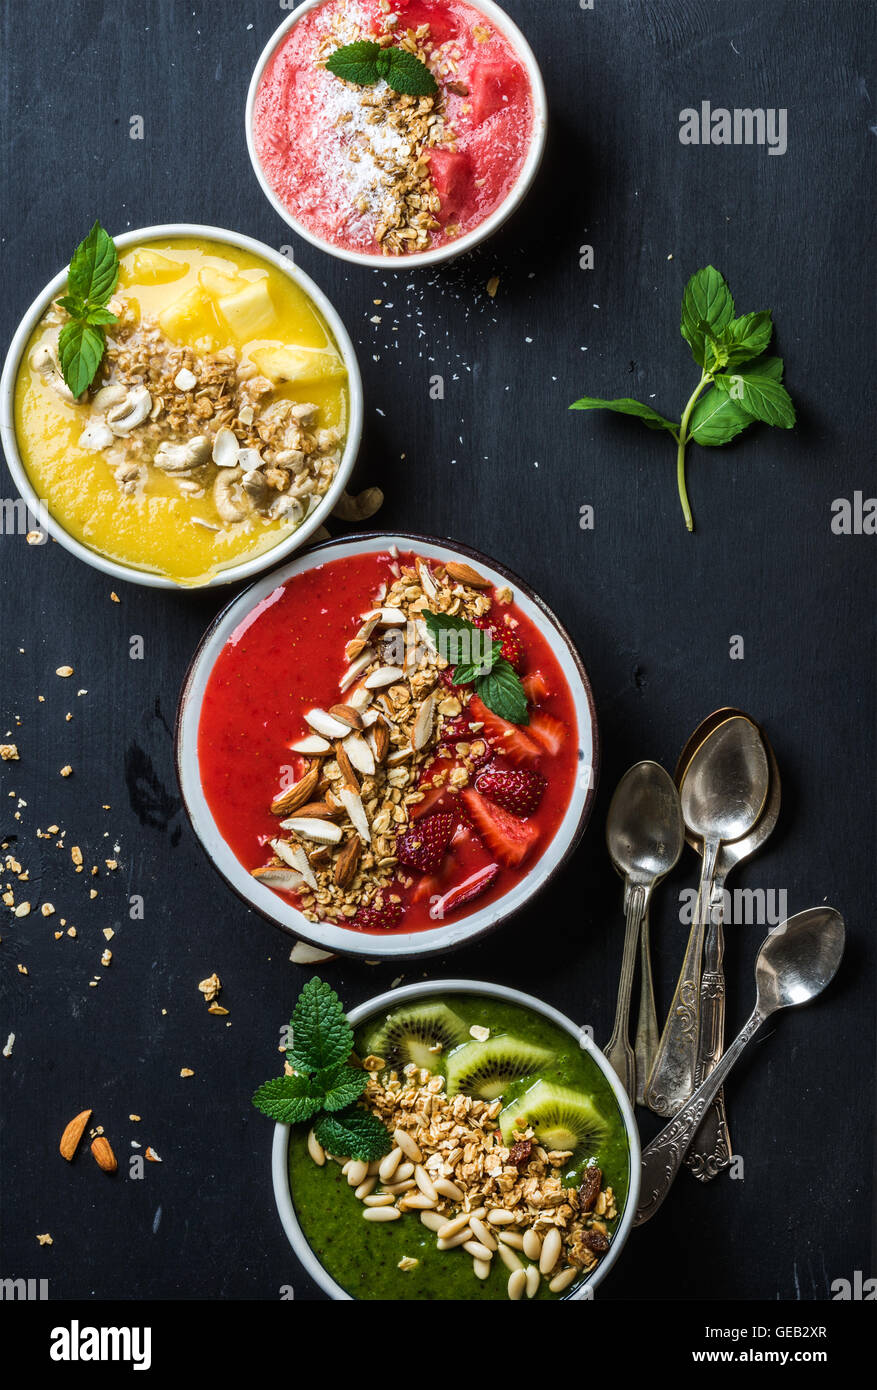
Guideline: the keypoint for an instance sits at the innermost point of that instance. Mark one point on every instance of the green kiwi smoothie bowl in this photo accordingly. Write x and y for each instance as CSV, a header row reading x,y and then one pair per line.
x,y
450,1140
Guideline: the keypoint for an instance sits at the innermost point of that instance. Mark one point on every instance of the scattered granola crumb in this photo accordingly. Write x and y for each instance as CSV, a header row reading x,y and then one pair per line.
x,y
22,969
92,892
479,1032
106,957
34,538
114,596
217,1009
66,770
71,931
152,1155
111,863
9,752
23,910
186,1071
407,1262
210,987
45,1239
109,933
493,286
10,1043
76,855
64,671
135,1118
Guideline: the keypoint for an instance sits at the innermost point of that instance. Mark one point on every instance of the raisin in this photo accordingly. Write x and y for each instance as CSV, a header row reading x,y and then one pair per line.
x,y
590,1188
520,1152
595,1241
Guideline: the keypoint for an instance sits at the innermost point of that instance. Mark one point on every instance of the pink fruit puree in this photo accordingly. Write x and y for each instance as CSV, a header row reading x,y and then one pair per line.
x,y
307,122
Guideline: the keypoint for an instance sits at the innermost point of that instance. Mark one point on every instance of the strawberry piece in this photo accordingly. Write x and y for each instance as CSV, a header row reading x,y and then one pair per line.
x,y
512,646
431,797
519,792
442,25
379,916
509,739
536,687
429,886
423,845
451,172
548,731
491,86
465,892
510,839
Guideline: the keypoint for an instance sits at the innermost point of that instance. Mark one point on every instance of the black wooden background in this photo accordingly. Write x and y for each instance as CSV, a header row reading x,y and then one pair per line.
x,y
500,464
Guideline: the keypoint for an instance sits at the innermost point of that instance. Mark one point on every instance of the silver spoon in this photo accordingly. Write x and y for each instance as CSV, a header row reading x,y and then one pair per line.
x,y
645,835
711,1149
723,795
794,964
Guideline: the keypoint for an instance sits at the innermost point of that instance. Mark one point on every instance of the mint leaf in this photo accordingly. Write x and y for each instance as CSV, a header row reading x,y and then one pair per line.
x,y
466,673
459,642
707,309
80,349
289,1099
760,395
99,316
75,306
353,1133
747,337
625,406
407,74
356,62
716,419
502,691
342,1085
94,268
321,1035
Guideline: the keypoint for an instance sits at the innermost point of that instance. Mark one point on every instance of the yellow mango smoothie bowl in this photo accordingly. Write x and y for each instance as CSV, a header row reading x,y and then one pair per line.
x,y
221,425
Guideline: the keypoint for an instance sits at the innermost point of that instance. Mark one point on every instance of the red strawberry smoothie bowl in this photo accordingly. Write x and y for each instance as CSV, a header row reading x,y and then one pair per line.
x,y
372,174
361,782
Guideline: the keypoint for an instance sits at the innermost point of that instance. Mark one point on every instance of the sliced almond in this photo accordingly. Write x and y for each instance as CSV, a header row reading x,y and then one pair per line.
x,y
300,792
73,1133
399,755
347,862
352,803
421,732
360,700
323,810
103,1154
310,828
350,778
312,746
369,717
425,636
427,583
356,668
347,715
367,628
392,617
273,876
465,574
304,954
326,724
295,857
355,648
384,675
360,754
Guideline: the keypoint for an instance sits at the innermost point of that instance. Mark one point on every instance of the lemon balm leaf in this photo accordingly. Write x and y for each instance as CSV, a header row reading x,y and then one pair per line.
x,y
353,1133
289,1099
356,62
408,75
342,1085
321,1035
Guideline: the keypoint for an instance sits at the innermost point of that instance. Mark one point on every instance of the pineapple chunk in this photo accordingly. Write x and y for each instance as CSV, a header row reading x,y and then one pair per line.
x,y
216,283
151,268
249,313
299,364
191,316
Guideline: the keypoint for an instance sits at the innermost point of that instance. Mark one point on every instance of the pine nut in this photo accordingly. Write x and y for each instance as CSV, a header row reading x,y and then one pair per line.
x,y
433,1220
379,1199
550,1251
477,1250
418,1201
374,1168
482,1268
316,1150
499,1217
532,1245
562,1280
453,1241
382,1213
482,1233
403,1172
425,1183
449,1189
532,1281
366,1188
517,1284
397,1187
509,1258
513,1239
345,1165
408,1146
357,1172
389,1165
451,1228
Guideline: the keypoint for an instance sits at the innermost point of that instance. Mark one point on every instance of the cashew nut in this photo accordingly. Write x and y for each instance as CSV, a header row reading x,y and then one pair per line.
x,y
226,449
131,412
109,395
44,360
231,502
359,508
256,487
286,508
181,458
97,435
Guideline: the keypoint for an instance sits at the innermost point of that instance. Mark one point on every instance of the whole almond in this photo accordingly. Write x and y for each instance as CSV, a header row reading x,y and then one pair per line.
x,y
465,574
346,766
73,1133
103,1154
381,739
347,862
347,715
299,793
323,810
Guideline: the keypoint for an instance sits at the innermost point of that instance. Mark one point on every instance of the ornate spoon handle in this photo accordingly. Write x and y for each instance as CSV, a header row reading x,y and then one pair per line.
x,y
663,1157
618,1050
647,1035
711,1148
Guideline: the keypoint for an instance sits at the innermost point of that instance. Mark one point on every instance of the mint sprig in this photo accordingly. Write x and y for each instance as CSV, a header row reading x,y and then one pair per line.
x,y
738,384
364,63
496,681
91,281
324,1084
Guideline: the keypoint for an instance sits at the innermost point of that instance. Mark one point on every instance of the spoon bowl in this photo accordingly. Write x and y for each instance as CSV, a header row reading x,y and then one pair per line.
x,y
725,785
799,959
644,829
734,851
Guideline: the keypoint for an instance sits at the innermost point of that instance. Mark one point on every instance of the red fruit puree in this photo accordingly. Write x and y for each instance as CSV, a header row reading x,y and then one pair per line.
x,y
427,170
288,656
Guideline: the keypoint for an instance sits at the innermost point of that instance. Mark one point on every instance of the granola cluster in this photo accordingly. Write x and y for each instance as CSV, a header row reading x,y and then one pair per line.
x,y
372,760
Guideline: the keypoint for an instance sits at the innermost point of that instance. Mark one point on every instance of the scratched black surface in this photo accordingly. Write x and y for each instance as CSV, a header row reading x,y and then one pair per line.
x,y
501,465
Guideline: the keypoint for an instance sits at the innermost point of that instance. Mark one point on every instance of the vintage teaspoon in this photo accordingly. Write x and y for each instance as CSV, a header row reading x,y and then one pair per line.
x,y
710,1151
794,964
723,795
645,835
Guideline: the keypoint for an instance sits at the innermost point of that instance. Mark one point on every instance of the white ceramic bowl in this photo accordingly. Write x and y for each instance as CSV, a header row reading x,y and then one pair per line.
x,y
395,944
246,569
478,234
279,1153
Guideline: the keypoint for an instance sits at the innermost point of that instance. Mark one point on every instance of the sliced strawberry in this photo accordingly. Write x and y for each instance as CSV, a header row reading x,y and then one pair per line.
x,y
423,845
536,686
548,731
519,792
432,796
379,915
465,892
509,739
429,886
491,86
512,646
451,172
510,839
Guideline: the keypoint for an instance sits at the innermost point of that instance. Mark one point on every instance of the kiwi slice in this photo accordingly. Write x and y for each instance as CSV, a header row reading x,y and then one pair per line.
x,y
418,1034
560,1118
486,1068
